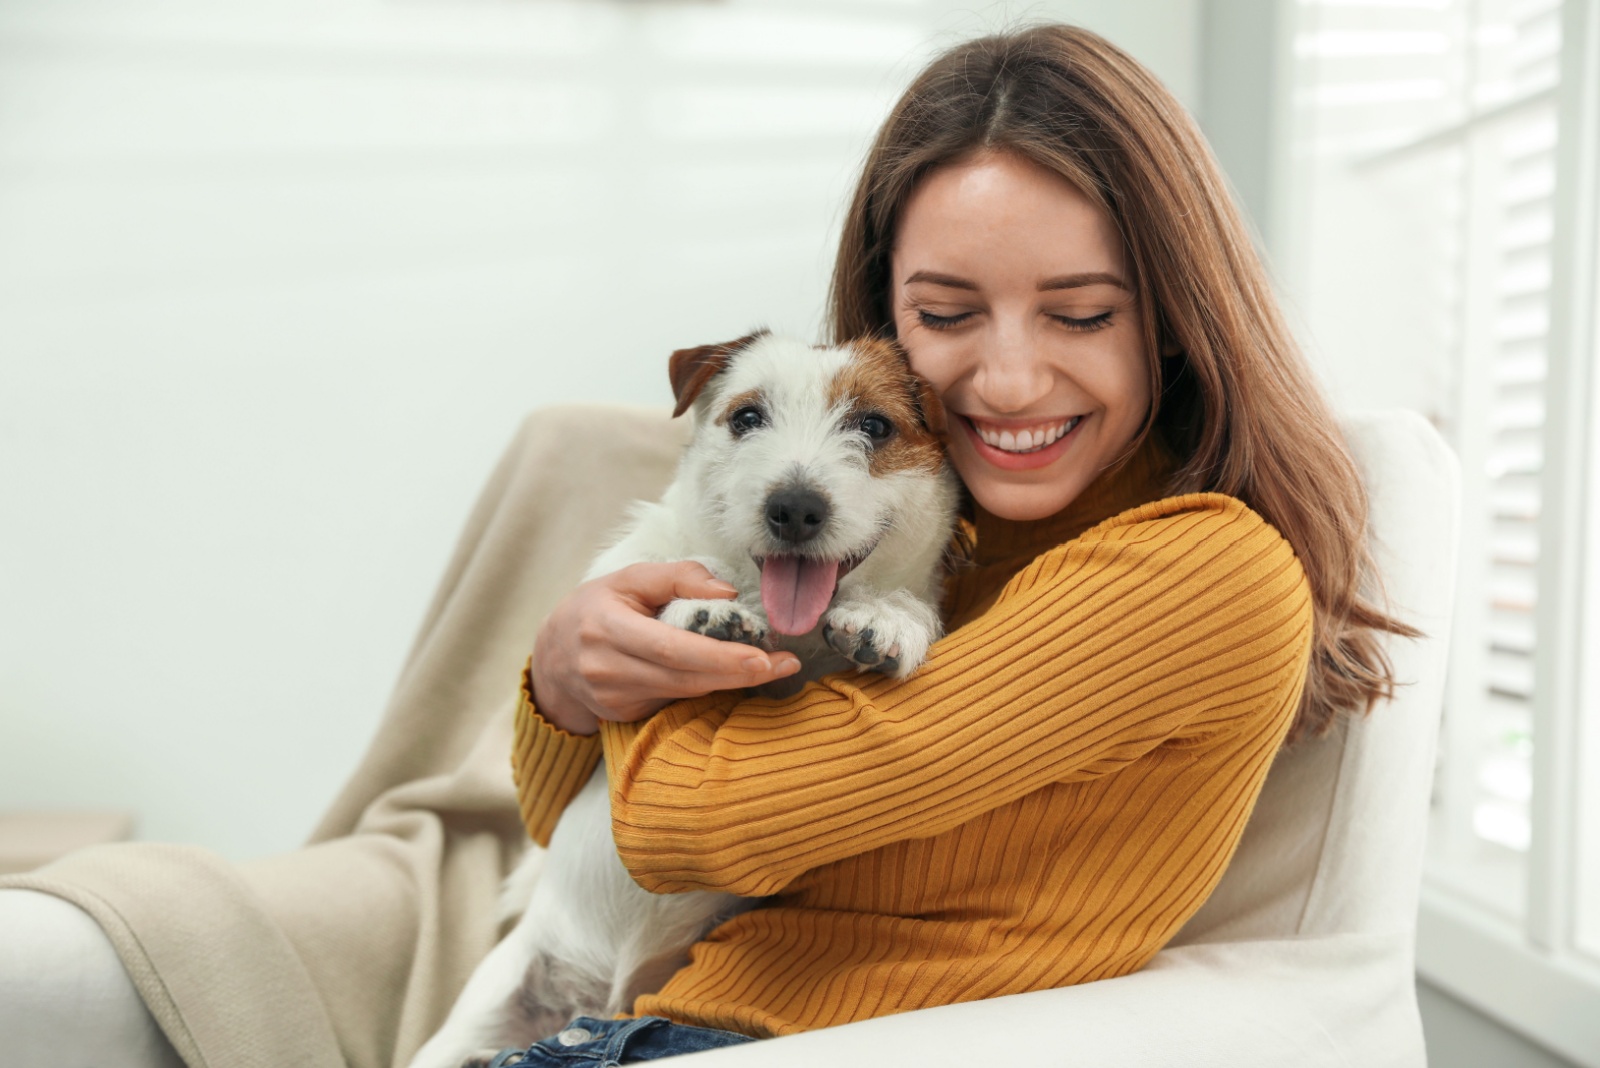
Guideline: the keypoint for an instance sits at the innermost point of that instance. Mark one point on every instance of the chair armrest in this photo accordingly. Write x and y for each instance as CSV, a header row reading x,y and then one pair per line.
x,y
1338,1001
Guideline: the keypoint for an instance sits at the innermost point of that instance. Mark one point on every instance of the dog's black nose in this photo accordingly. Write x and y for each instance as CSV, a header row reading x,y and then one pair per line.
x,y
796,514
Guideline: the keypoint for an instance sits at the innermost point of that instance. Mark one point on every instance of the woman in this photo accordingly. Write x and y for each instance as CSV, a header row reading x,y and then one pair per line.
x,y
1165,587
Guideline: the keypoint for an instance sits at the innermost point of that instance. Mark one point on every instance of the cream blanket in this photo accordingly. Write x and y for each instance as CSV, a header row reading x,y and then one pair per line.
x,y
351,950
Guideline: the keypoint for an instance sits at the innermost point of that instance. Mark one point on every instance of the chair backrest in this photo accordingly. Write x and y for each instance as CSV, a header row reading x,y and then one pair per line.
x,y
1335,843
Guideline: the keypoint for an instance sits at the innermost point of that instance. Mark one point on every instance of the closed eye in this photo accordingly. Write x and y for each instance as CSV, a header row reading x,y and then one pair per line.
x,y
945,322
1093,322
941,322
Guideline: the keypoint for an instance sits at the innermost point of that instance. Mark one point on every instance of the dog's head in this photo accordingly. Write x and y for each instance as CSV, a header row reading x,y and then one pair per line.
x,y
806,459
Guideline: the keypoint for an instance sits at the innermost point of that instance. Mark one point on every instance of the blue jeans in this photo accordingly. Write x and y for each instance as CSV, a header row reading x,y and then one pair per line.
x,y
591,1043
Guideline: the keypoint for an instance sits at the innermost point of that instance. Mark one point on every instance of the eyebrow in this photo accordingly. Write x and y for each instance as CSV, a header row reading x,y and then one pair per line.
x,y
1066,281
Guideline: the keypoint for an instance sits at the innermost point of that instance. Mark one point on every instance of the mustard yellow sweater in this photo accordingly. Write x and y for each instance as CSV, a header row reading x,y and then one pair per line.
x,y
1044,803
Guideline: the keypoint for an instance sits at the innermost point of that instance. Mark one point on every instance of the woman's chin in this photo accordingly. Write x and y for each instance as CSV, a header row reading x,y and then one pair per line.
x,y
1020,501
1021,508
1020,496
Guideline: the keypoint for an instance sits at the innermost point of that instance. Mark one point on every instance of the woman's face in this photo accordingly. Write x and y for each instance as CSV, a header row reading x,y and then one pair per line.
x,y
1011,297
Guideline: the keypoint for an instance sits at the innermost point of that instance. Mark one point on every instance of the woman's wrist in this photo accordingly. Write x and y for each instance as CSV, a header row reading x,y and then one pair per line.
x,y
568,716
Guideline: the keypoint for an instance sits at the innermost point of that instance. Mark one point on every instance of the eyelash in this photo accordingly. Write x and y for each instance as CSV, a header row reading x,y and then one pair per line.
x,y
946,322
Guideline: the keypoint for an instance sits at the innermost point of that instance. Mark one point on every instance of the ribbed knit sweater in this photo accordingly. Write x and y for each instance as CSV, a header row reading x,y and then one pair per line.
x,y
1044,803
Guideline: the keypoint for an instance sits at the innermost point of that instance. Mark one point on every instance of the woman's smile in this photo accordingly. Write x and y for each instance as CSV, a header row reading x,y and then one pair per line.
x,y
1020,445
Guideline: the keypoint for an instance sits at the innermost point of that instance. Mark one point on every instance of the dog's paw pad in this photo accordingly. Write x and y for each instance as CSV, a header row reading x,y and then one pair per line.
x,y
736,630
876,637
856,645
867,653
726,621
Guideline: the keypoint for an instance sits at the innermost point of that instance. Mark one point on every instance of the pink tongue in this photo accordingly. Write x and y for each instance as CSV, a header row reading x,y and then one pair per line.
x,y
795,591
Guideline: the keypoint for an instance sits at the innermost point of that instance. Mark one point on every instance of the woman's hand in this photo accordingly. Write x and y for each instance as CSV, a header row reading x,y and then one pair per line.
x,y
602,654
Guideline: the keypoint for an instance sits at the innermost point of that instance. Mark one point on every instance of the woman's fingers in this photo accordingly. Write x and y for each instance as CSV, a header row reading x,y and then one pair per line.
x,y
654,585
671,685
709,662
649,639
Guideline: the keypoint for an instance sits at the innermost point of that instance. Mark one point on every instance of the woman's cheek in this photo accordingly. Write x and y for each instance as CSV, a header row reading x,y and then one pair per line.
x,y
1123,379
938,359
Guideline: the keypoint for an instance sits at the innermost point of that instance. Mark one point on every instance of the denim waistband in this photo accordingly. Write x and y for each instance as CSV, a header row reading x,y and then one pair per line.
x,y
590,1043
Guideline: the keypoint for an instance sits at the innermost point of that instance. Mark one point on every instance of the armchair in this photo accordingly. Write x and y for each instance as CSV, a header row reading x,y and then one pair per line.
x,y
350,951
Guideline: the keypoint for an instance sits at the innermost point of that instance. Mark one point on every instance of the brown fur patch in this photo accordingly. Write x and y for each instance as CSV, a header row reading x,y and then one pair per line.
x,y
880,380
749,396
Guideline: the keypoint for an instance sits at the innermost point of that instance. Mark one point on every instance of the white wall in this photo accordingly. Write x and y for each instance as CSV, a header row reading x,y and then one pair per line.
x,y
277,282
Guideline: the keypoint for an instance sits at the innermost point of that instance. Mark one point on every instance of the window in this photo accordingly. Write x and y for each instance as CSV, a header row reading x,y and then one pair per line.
x,y
1445,151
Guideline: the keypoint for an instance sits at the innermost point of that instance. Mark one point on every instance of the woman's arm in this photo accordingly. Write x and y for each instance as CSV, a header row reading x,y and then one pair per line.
x,y
1175,620
602,654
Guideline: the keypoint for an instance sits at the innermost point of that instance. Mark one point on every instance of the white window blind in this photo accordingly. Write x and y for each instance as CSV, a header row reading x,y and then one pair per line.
x,y
1449,154
1447,109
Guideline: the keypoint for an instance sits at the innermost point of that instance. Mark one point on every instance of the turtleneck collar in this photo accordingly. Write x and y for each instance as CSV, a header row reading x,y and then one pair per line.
x,y
1140,480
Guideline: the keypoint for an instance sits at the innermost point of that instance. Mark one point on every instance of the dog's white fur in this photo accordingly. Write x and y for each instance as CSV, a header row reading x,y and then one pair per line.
x,y
590,939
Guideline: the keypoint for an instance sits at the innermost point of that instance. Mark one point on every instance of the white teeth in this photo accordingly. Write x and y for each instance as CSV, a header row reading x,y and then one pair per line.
x,y
1028,440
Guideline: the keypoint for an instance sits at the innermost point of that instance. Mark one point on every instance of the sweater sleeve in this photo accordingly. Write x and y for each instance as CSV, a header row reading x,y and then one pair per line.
x,y
549,765
1173,621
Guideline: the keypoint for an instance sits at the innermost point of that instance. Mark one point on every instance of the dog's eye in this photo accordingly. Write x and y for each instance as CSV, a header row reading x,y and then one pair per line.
x,y
876,427
746,419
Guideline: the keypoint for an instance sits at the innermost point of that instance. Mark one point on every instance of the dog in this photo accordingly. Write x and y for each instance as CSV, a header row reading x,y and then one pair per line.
x,y
816,484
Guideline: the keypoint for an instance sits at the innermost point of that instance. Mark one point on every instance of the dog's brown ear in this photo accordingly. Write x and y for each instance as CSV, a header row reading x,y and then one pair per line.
x,y
929,406
691,369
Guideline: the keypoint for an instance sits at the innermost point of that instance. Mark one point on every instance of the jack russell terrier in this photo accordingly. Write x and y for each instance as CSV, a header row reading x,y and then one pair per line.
x,y
816,483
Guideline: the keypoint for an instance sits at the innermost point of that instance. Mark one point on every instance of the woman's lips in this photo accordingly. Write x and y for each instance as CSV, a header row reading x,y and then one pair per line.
x,y
1019,461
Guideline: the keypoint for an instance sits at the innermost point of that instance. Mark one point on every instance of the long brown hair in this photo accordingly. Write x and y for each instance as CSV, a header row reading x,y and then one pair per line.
x,y
1237,402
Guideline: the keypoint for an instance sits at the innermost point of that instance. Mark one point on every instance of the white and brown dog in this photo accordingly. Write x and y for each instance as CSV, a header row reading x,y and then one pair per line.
x,y
817,485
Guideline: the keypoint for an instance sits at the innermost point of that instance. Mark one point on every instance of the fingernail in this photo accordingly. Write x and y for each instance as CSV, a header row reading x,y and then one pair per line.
x,y
756,663
788,667
718,584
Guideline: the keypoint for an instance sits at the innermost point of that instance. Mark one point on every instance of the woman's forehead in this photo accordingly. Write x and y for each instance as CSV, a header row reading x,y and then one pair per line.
x,y
1001,213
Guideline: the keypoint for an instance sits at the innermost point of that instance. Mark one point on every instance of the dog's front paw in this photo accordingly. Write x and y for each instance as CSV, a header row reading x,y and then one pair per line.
x,y
727,621
891,636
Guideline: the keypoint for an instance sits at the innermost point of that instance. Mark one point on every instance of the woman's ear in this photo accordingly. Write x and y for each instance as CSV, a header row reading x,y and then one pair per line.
x,y
691,369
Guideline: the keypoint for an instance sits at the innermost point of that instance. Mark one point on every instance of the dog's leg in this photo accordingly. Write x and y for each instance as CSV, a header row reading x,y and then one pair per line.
x,y
486,1014
553,965
887,632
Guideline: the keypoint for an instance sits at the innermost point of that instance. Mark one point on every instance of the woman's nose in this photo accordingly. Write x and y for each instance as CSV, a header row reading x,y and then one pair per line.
x,y
1012,373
